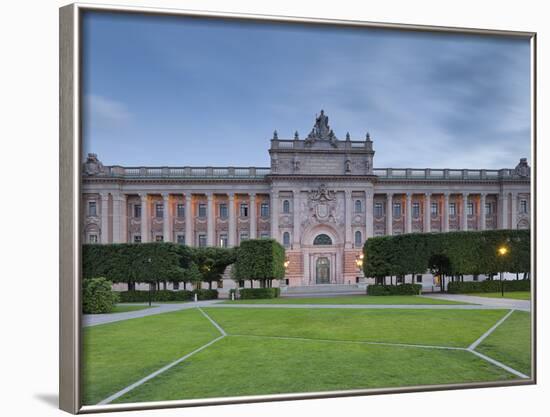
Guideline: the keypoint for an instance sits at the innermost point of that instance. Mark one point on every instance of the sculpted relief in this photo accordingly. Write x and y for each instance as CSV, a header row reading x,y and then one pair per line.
x,y
322,206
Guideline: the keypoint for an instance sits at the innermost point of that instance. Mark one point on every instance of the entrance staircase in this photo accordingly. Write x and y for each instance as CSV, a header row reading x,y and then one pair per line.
x,y
323,290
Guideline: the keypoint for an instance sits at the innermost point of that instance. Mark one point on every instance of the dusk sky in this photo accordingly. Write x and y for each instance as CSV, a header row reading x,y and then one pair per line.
x,y
167,91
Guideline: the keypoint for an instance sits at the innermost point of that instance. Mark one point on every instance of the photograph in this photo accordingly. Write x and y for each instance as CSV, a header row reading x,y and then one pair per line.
x,y
276,208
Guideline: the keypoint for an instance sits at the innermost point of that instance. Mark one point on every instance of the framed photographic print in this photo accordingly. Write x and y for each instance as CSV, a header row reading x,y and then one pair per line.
x,y
259,208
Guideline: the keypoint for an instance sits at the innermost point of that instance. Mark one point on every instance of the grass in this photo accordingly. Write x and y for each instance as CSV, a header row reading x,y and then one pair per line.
x,y
350,299
515,295
123,308
118,354
252,366
458,328
510,343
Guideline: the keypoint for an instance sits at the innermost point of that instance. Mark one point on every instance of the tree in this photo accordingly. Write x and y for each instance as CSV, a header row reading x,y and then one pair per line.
x,y
260,259
439,265
211,262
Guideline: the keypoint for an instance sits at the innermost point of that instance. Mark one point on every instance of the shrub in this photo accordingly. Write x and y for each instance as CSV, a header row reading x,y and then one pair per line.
x,y
160,295
204,294
488,286
256,293
260,259
98,296
403,289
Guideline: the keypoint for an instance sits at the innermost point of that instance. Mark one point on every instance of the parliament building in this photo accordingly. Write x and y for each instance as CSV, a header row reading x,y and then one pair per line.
x,y
321,198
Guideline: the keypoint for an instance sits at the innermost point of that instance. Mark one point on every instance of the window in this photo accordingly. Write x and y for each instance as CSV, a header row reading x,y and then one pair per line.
x,y
416,210
159,238
202,241
452,209
92,238
264,210
378,210
159,210
399,279
180,210
137,211
523,206
176,285
223,241
286,239
202,210
358,239
92,208
470,209
223,211
435,209
264,235
243,237
322,239
180,238
488,209
286,206
476,277
396,209
137,238
358,206
244,210
419,279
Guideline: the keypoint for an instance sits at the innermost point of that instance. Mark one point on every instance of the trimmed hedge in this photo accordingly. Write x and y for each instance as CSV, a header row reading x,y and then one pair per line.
x,y
488,286
98,296
256,293
468,253
403,289
166,295
259,259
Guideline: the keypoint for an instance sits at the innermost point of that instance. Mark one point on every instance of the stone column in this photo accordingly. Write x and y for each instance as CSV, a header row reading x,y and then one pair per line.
x,y
369,213
252,216
389,213
514,219
119,218
464,225
275,215
446,212
210,225
503,209
166,219
482,212
144,218
427,213
104,217
408,218
232,223
296,232
189,219
348,203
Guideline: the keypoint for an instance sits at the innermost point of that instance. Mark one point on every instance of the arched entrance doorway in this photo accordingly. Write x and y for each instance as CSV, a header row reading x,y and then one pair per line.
x,y
322,275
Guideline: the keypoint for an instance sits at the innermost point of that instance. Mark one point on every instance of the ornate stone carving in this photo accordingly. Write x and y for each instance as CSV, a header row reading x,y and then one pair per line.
x,y
93,165
321,131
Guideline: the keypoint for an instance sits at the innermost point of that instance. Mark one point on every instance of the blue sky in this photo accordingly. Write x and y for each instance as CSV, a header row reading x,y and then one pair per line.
x,y
167,91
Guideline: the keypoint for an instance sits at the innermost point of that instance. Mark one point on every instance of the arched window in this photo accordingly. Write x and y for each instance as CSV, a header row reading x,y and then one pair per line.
x,y
322,239
358,206
358,239
286,239
286,206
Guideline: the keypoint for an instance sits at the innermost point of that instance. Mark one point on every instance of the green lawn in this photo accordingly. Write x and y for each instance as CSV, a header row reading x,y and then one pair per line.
x,y
123,308
350,299
252,366
510,342
515,295
118,354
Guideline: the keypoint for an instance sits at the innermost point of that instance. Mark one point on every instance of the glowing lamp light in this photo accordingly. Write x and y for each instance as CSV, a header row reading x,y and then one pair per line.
x,y
503,250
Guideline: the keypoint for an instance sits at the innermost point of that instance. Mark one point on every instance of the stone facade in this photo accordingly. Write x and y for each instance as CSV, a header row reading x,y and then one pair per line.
x,y
321,198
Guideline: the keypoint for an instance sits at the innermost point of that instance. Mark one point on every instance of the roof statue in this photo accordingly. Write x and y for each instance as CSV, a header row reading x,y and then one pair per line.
x,y
321,131
523,169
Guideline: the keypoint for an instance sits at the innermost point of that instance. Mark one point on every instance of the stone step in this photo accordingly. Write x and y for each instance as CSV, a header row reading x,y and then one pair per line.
x,y
321,289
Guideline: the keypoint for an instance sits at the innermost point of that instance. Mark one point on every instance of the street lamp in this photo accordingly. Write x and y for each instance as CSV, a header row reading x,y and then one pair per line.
x,y
150,288
502,252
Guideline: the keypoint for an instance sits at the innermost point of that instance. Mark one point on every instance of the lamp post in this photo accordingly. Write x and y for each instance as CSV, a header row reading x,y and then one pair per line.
x,y
502,252
149,262
359,263
286,264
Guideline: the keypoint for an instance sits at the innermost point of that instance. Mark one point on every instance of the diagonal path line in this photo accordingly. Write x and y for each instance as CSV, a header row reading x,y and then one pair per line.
x,y
156,373
361,342
500,364
488,332
222,331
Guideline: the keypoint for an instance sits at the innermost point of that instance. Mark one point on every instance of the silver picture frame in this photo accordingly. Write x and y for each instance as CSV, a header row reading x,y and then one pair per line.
x,y
70,100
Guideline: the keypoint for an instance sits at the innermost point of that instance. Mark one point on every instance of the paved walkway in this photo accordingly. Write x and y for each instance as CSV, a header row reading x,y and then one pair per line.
x,y
507,303
95,319
366,306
